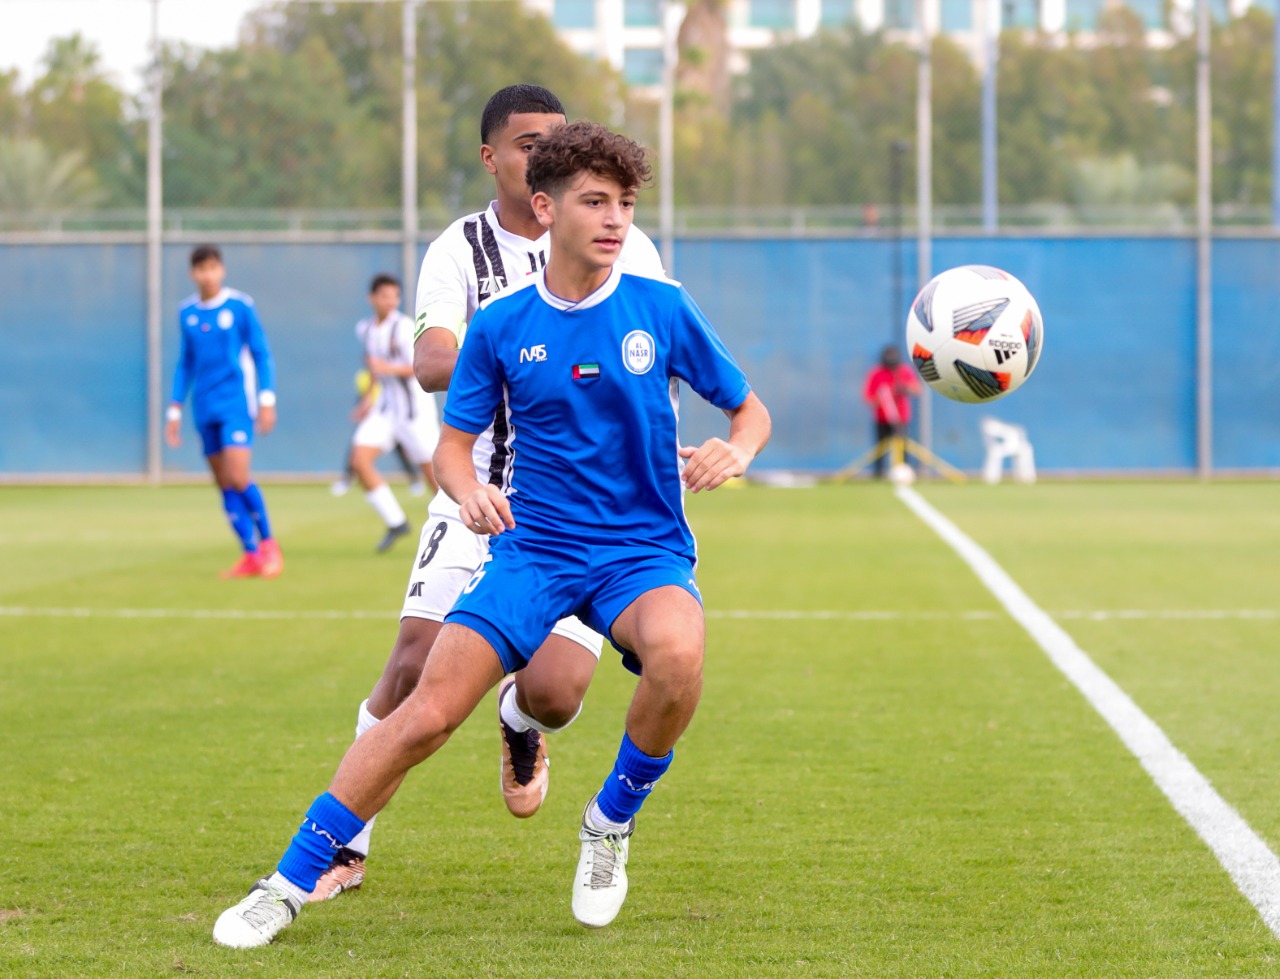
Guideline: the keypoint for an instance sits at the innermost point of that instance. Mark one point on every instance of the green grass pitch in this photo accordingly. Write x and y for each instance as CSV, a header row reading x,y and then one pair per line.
x,y
913,793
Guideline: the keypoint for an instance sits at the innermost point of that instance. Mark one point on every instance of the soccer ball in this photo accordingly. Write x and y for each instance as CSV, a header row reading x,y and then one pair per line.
x,y
974,333
901,474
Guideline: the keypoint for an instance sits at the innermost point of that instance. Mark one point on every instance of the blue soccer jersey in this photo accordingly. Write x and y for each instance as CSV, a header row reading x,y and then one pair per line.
x,y
592,395
223,358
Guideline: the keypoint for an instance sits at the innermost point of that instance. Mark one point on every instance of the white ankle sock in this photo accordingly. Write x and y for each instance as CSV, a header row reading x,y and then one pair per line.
x,y
519,721
600,821
360,842
364,719
289,887
384,501
512,715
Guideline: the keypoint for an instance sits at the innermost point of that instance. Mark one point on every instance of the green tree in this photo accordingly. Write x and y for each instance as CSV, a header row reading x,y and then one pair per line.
x,y
1242,62
74,107
13,113
465,53
1069,111
835,104
34,178
256,127
1102,188
1045,98
1121,71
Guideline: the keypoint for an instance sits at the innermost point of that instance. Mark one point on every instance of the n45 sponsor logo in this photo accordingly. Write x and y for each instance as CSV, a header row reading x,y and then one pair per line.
x,y
533,355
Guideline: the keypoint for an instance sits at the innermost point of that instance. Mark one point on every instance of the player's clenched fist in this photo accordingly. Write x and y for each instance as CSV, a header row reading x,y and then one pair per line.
x,y
711,463
486,511
266,419
173,432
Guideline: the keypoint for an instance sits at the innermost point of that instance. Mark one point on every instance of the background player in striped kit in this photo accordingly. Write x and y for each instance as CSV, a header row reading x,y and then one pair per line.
x,y
224,361
396,411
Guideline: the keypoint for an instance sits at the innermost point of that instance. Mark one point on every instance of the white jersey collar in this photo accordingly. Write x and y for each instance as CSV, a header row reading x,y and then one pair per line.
x,y
510,238
586,302
215,302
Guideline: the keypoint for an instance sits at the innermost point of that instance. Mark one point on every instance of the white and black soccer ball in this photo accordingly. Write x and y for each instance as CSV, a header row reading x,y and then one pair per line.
x,y
974,333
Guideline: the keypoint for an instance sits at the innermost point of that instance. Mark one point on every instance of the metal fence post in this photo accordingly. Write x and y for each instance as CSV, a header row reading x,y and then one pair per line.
x,y
1275,126
155,242
409,153
925,22
1204,249
990,73
672,16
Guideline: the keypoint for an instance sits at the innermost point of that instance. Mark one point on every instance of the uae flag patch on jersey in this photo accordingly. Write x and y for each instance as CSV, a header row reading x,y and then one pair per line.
x,y
584,372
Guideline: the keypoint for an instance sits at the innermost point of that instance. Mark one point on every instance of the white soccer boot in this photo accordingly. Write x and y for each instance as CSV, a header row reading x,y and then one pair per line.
x,y
255,921
600,886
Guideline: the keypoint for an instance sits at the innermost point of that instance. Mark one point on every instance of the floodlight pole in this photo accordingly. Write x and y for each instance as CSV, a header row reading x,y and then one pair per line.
x,y
897,303
672,17
1204,249
155,243
409,153
1275,125
990,10
925,11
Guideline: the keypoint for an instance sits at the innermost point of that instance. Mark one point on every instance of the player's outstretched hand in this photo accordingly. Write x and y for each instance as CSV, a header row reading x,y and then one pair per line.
x,y
486,511
266,419
173,432
711,463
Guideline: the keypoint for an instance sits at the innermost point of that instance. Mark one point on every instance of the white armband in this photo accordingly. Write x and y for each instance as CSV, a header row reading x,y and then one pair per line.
x,y
173,413
267,399
443,316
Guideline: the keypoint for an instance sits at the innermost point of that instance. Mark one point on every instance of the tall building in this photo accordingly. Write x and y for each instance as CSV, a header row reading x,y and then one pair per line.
x,y
628,33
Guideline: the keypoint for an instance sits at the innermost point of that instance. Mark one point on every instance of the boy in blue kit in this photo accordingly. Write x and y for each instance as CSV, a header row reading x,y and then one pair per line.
x,y
591,360
222,352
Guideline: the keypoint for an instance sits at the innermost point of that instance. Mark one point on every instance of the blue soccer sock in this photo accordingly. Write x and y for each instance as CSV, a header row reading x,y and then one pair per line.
x,y
632,779
327,827
257,508
240,518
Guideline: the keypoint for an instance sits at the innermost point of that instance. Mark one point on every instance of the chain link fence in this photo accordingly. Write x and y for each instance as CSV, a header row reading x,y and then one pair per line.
x,y
320,142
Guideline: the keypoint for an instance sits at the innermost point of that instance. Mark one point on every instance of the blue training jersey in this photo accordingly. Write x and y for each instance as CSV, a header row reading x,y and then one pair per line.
x,y
592,395
223,358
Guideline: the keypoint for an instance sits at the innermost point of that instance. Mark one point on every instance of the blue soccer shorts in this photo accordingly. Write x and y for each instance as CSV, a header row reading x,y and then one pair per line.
x,y
227,433
530,580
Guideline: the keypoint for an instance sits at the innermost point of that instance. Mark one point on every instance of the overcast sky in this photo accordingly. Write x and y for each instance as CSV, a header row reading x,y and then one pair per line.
x,y
121,29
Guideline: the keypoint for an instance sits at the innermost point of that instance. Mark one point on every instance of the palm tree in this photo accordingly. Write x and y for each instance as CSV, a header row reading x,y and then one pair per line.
x,y
32,179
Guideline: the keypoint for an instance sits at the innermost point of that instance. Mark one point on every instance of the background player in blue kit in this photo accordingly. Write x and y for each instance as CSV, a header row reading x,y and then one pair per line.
x,y
591,359
223,359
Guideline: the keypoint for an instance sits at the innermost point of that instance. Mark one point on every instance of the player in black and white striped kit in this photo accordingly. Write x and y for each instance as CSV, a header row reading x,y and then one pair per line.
x,y
397,411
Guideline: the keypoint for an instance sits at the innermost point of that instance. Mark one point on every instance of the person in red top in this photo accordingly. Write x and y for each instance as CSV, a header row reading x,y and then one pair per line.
x,y
889,388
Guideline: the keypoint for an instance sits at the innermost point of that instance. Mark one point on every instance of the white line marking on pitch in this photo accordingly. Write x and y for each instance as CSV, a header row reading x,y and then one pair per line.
x,y
1135,614
844,615
16,611
834,615
1249,861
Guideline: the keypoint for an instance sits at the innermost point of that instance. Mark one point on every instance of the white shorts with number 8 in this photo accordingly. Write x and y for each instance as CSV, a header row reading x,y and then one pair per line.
x,y
448,556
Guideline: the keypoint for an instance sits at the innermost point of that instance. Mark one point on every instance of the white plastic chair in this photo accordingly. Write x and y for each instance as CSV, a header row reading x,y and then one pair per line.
x,y
1005,441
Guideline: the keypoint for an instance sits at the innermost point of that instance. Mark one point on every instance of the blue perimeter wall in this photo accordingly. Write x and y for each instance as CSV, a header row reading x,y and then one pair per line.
x,y
1114,391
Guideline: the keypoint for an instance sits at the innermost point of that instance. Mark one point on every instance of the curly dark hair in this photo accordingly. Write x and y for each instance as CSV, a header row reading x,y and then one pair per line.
x,y
568,150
